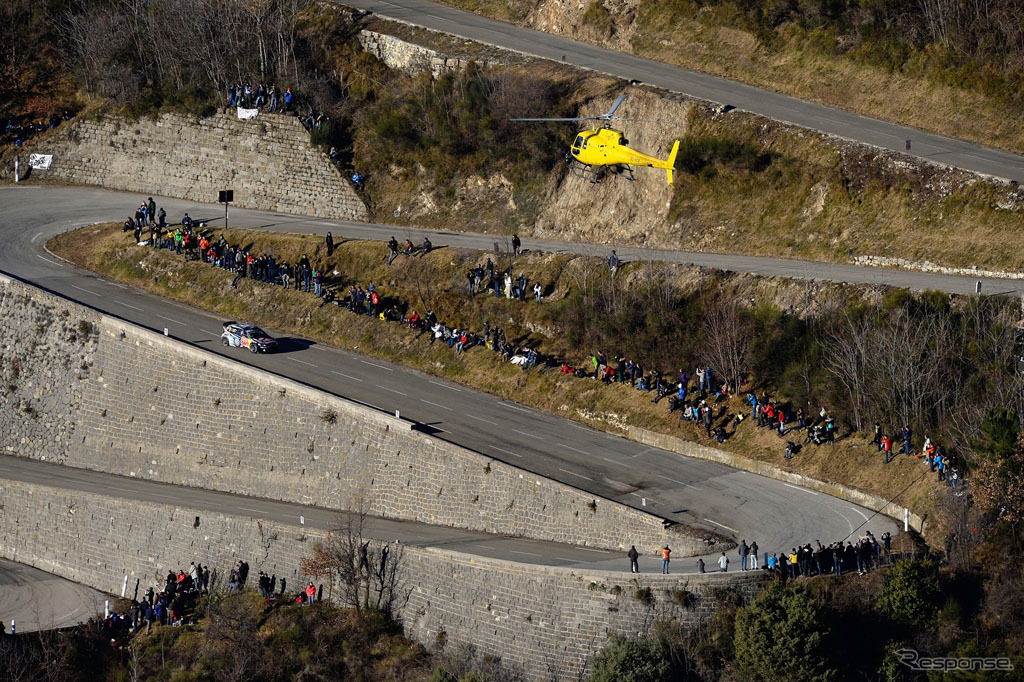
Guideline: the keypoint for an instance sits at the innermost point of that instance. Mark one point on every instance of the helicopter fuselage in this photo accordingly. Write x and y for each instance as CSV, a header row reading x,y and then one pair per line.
x,y
608,147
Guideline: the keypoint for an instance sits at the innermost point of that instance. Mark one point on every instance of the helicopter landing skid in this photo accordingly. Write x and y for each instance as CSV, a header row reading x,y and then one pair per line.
x,y
596,175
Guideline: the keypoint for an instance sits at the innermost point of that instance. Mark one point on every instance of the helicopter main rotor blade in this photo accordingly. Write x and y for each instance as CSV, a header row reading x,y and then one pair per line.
x,y
615,107
584,118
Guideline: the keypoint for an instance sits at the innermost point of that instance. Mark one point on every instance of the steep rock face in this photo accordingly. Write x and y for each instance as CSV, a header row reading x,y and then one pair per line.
x,y
617,210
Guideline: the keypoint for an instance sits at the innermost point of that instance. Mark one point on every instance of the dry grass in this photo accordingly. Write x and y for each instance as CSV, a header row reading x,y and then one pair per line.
x,y
436,282
792,68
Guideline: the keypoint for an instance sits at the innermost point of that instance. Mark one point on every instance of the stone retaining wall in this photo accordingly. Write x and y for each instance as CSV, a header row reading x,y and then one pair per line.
x,y
155,408
267,161
411,58
548,621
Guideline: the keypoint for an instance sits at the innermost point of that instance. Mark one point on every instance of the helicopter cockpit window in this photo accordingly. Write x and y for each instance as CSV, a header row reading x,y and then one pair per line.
x,y
578,142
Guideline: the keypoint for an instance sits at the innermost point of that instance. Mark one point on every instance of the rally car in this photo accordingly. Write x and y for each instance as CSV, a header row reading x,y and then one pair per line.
x,y
241,335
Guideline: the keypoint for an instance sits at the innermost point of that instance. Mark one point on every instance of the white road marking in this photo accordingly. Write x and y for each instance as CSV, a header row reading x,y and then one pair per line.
x,y
531,435
170,319
512,551
365,362
721,525
486,547
672,479
796,487
450,388
59,265
862,514
38,235
505,451
599,551
486,421
319,348
392,390
573,473
569,447
75,286
435,405
562,558
514,407
255,511
126,305
207,331
613,462
347,376
849,523
302,361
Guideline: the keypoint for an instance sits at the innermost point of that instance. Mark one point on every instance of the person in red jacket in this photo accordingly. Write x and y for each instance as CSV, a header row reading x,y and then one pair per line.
x,y
310,593
887,447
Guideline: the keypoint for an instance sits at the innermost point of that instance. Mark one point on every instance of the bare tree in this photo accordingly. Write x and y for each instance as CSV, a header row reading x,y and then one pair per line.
x,y
728,339
848,357
368,572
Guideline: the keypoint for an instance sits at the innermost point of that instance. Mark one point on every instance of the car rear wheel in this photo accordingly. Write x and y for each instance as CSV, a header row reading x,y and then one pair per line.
x,y
224,341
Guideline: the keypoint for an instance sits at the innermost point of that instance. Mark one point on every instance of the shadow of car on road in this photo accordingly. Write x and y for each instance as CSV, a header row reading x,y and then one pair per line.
x,y
290,344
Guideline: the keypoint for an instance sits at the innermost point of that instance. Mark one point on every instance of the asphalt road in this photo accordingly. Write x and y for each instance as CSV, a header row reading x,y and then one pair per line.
x,y
37,600
696,492
937,148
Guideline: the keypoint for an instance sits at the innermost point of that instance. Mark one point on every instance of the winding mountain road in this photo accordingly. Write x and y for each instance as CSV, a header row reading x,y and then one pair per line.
x,y
929,146
700,493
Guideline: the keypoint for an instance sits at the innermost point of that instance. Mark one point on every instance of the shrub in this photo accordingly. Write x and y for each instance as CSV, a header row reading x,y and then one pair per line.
x,y
629,660
910,592
784,633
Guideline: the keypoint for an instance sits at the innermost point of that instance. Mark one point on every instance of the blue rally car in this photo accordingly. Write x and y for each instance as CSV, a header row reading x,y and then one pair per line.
x,y
241,335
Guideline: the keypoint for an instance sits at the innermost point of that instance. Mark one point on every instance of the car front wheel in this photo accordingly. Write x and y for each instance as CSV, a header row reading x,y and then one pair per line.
x,y
252,348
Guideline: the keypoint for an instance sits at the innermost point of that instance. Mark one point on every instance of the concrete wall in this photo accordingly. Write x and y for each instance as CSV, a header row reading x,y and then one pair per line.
x,y
548,621
155,408
267,161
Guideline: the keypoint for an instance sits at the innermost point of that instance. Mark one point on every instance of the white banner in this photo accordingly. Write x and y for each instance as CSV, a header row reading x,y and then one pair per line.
x,y
40,161
246,114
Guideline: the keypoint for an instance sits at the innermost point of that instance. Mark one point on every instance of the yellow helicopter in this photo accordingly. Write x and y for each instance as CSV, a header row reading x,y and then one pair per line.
x,y
595,152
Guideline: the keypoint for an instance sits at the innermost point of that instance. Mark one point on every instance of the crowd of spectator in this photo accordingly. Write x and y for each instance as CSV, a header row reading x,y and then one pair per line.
x,y
173,602
842,556
20,129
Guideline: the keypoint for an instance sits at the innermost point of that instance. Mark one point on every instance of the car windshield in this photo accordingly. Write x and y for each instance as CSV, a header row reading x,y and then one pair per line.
x,y
255,332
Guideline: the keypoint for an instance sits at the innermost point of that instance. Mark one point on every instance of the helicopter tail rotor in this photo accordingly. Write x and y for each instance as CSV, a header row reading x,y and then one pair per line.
x,y
672,161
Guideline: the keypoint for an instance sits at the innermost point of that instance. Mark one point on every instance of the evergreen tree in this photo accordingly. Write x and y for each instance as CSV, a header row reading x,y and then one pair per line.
x,y
783,634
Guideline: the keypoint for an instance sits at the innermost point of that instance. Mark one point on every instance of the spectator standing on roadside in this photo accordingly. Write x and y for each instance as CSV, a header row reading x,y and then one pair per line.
x,y
634,566
744,552
723,563
330,244
666,553
516,245
700,565
752,565
613,263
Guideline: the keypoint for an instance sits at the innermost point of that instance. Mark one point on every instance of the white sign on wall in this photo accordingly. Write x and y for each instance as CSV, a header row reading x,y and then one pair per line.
x,y
246,114
40,161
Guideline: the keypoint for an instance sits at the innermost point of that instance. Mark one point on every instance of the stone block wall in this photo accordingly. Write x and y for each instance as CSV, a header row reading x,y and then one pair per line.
x,y
267,161
411,58
548,621
152,407
47,349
